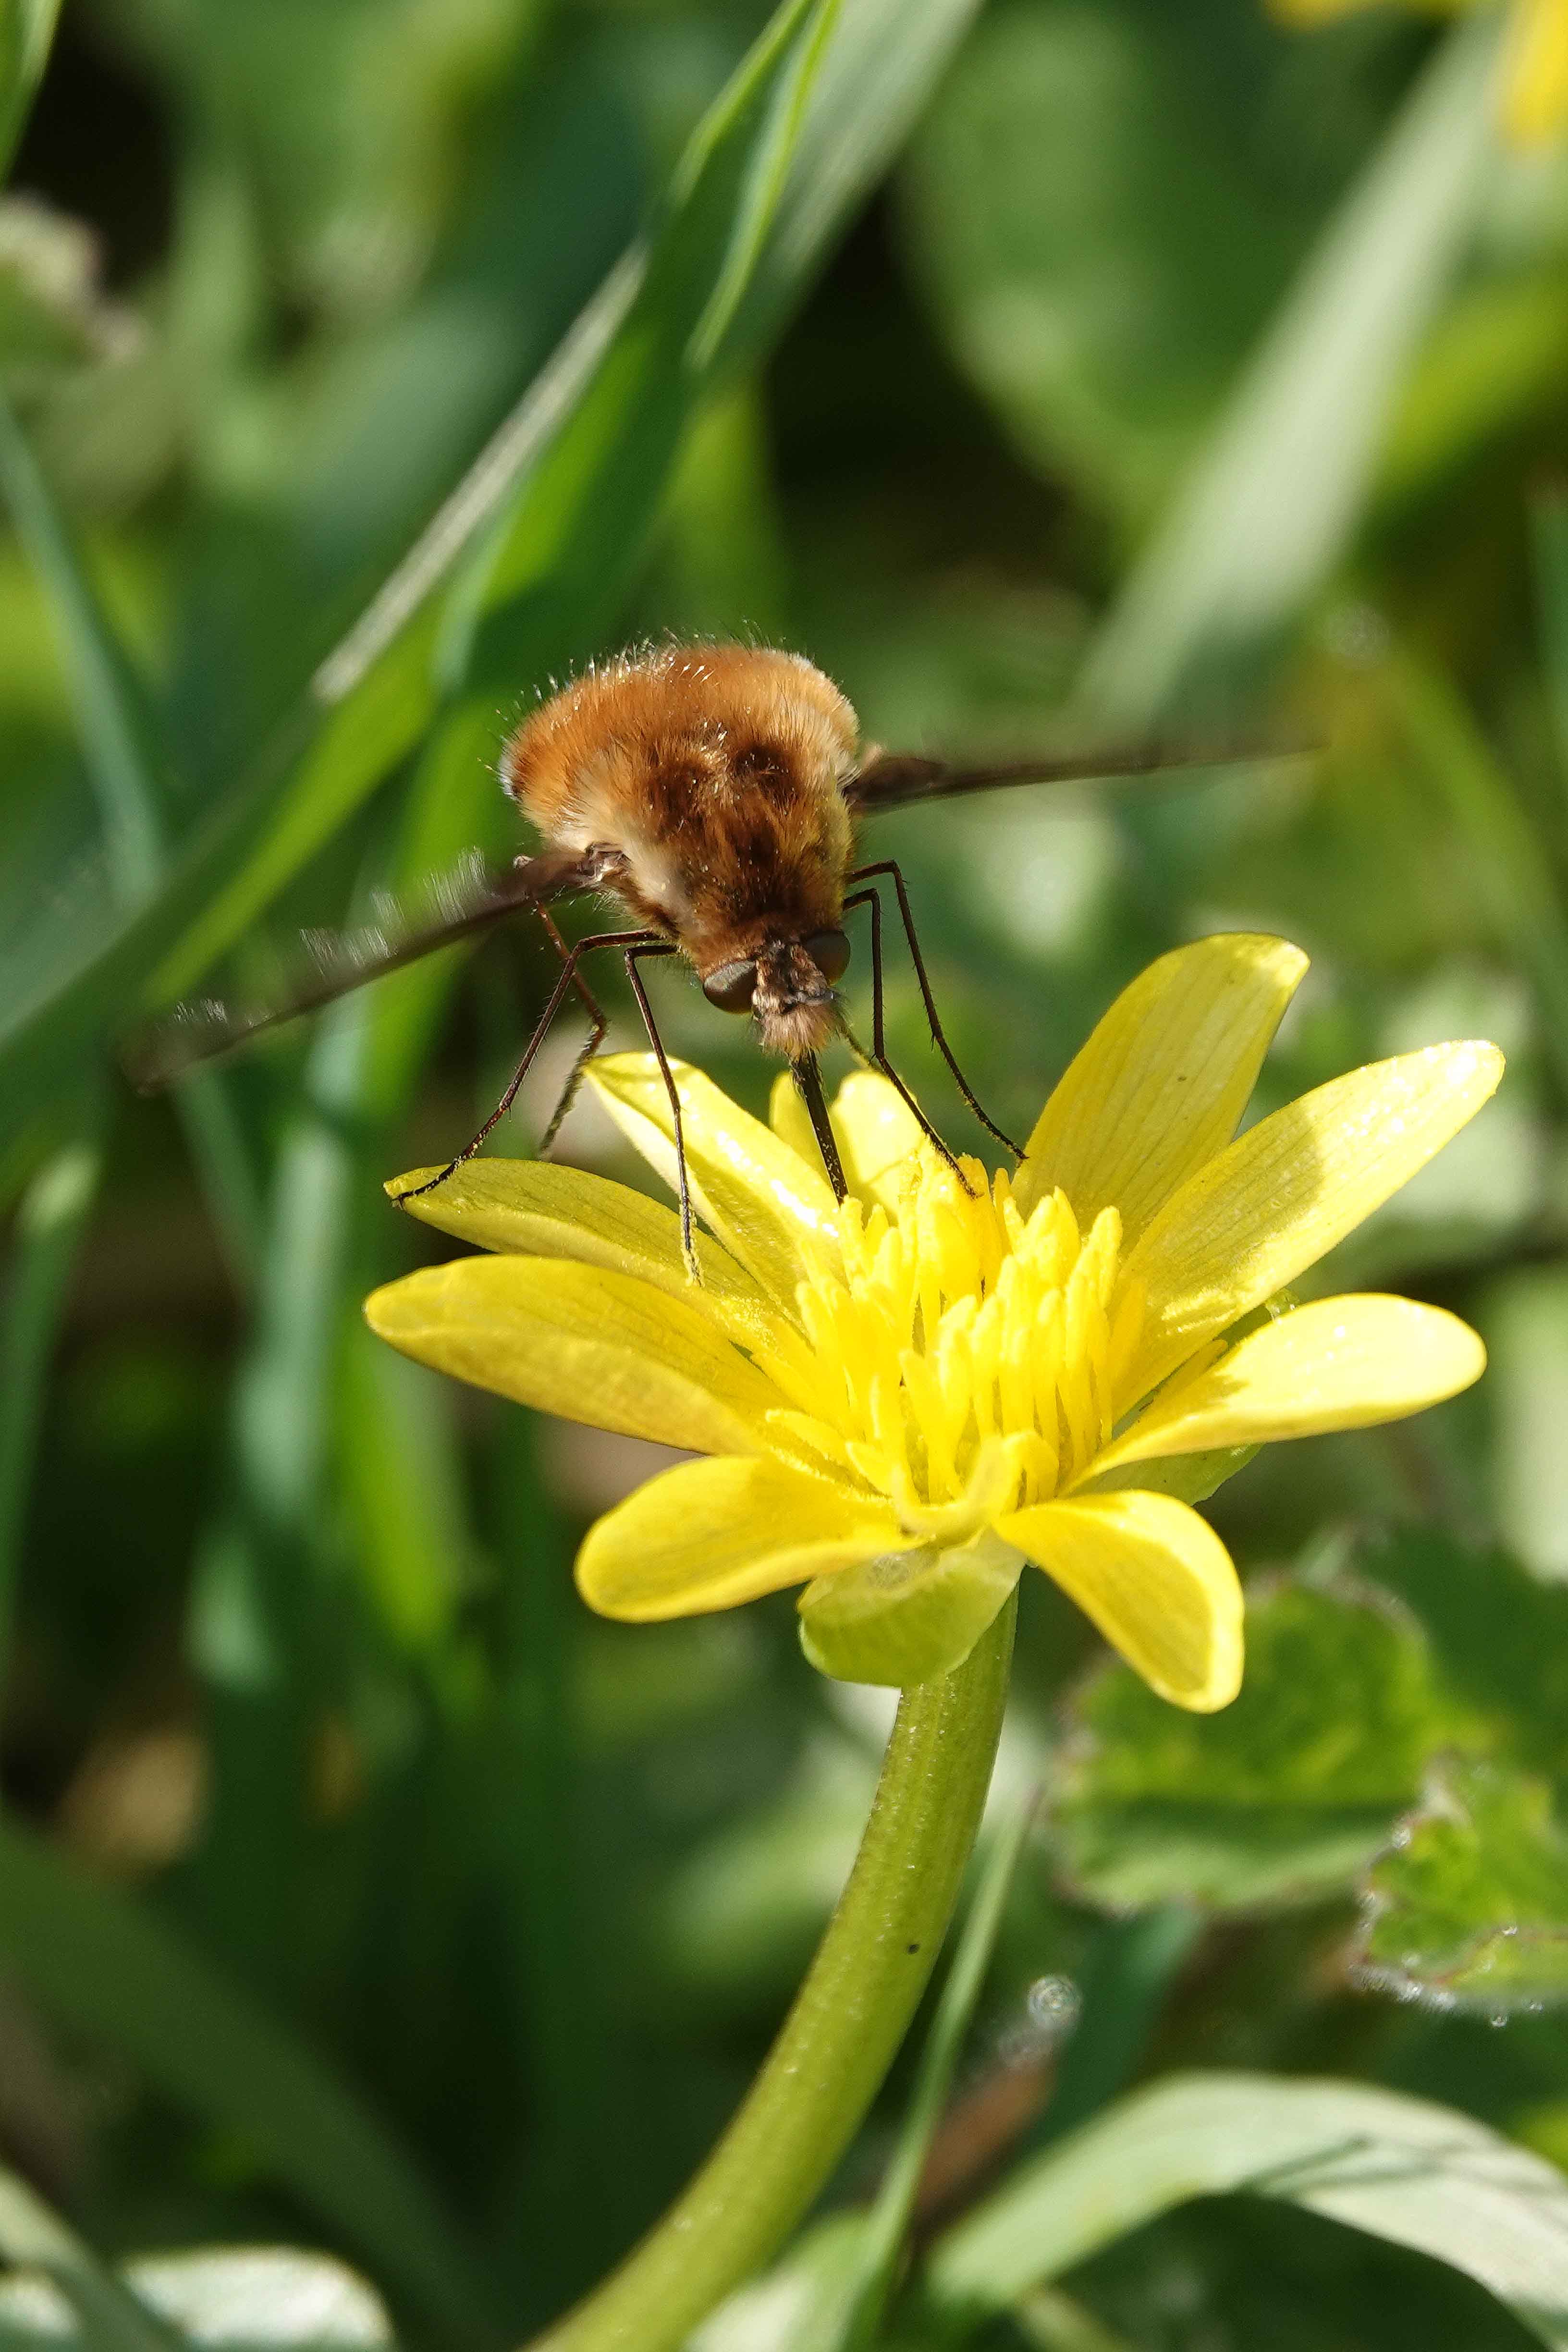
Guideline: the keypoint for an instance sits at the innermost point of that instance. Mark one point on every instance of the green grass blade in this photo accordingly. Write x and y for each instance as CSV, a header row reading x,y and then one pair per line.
x,y
884,59
102,1964
1510,868
113,724
26,30
1549,536
49,1226
1273,501
128,769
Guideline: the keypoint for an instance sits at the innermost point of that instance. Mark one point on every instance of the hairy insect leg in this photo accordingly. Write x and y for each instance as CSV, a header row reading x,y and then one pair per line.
x,y
557,998
878,1045
888,866
658,947
600,1022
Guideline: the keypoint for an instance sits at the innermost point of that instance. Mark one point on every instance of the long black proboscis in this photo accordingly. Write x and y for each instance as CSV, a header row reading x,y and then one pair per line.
x,y
808,1078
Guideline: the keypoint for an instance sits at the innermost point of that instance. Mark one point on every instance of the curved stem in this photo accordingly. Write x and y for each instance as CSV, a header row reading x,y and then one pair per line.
x,y
841,2036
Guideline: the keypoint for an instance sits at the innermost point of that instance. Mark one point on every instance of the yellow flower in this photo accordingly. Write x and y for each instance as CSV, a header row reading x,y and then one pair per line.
x,y
907,1397
1535,64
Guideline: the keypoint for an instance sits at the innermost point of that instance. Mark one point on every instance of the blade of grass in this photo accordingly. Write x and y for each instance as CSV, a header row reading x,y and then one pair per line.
x,y
1272,502
49,1226
127,766
26,30
1549,539
1510,868
101,1963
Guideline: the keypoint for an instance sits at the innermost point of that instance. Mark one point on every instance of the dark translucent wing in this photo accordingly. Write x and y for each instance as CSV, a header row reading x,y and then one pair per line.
x,y
458,906
896,779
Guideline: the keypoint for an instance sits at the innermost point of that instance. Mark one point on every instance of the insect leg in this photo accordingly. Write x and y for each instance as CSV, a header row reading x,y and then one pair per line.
x,y
879,1043
890,867
557,998
656,946
597,1017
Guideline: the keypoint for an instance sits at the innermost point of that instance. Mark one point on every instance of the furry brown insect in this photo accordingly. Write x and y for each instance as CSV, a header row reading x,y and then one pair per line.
x,y
713,790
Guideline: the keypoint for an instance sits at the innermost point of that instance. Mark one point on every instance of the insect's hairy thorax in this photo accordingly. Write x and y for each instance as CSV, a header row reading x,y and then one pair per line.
x,y
716,775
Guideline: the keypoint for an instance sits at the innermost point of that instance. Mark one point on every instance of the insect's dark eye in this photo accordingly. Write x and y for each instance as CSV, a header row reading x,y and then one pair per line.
x,y
732,987
829,952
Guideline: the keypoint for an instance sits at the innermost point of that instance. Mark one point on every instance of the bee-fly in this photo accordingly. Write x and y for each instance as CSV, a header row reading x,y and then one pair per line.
x,y
713,792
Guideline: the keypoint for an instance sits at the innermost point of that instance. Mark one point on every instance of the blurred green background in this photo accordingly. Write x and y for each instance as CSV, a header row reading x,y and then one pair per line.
x,y
1048,371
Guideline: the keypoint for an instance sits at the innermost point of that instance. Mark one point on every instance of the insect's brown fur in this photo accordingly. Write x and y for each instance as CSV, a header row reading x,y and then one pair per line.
x,y
712,779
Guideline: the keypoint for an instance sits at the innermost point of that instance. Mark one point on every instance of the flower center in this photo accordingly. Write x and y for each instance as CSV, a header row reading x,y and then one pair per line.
x,y
962,1361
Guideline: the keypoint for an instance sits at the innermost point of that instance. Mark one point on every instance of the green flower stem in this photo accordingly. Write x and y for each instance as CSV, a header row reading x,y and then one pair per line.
x,y
841,2036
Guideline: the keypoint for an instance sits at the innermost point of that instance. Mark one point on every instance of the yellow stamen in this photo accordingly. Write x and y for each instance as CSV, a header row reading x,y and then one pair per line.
x,y
958,1357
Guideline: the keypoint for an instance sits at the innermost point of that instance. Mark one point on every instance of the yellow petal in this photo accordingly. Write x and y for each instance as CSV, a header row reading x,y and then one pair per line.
x,y
1162,1081
581,1343
710,1533
876,1131
1155,1578
1339,1363
533,1208
760,1198
1281,1196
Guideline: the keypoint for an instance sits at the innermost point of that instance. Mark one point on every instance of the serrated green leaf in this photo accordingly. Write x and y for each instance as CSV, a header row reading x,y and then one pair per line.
x,y
1401,2168
1468,1908
1282,1796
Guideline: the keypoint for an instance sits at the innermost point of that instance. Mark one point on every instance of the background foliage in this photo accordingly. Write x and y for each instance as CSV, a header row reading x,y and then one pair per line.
x,y
1046,369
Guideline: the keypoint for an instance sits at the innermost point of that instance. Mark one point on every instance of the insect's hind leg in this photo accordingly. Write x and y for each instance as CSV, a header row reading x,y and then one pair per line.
x,y
654,945
890,867
567,980
599,1022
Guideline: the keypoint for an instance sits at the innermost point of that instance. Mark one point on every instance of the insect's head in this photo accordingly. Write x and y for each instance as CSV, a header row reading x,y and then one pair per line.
x,y
788,987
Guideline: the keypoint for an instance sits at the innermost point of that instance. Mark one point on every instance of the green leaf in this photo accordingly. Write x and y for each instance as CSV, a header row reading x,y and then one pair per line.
x,y
103,1965
253,2298
1469,1906
1284,1795
1499,1639
1404,2169
1272,501
1078,153
27,29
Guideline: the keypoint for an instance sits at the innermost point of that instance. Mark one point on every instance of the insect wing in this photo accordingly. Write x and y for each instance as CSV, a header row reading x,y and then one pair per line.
x,y
892,780
458,906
